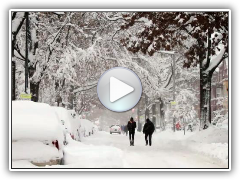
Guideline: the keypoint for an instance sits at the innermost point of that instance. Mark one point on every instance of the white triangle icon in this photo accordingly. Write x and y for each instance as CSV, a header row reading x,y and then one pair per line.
x,y
118,89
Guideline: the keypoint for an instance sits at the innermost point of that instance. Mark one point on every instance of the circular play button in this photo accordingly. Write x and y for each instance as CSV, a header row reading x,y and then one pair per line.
x,y
119,89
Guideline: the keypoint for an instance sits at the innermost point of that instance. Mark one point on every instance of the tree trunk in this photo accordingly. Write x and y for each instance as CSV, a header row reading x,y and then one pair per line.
x,y
146,109
154,114
161,114
205,87
34,86
205,99
138,117
34,90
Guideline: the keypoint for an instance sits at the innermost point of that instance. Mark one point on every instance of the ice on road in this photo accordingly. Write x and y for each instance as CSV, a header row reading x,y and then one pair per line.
x,y
104,150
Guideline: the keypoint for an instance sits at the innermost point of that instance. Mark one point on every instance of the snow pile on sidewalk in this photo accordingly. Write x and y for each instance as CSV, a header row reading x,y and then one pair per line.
x,y
211,142
23,164
80,155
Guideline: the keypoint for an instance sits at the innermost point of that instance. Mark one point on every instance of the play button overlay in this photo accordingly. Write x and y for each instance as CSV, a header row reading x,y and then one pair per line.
x,y
119,89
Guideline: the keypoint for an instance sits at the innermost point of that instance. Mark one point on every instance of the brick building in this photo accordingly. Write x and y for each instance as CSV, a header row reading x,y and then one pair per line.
x,y
220,88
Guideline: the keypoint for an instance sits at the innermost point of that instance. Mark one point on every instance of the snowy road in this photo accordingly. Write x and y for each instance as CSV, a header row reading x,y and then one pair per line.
x,y
105,150
169,150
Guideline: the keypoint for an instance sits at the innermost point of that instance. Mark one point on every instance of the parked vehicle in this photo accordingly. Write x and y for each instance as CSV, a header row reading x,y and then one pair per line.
x,y
95,128
36,130
80,127
87,127
115,129
64,119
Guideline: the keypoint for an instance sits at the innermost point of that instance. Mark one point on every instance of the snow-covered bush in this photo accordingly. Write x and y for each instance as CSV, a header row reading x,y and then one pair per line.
x,y
220,116
184,110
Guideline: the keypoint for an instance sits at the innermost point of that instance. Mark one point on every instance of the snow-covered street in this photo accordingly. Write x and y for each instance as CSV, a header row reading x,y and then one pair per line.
x,y
161,155
104,150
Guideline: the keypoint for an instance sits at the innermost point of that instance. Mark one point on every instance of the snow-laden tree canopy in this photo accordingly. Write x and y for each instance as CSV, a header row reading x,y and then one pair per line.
x,y
68,52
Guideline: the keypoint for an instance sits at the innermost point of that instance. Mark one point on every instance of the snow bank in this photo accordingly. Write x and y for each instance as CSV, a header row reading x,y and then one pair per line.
x,y
215,150
35,151
34,121
211,142
80,155
211,135
224,123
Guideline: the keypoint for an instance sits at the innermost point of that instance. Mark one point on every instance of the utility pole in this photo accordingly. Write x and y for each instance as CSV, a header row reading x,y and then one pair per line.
x,y
26,53
13,80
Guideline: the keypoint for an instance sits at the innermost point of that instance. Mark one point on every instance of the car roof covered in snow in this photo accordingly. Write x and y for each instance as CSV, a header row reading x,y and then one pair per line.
x,y
35,121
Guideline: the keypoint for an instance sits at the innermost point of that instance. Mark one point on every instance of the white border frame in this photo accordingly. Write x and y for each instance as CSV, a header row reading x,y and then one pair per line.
x,y
120,10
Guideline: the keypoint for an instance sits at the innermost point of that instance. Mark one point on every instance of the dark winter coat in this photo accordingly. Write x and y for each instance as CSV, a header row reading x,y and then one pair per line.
x,y
131,126
148,127
126,128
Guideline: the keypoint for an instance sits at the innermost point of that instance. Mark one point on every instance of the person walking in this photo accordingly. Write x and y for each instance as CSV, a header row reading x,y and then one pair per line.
x,y
131,128
126,130
148,130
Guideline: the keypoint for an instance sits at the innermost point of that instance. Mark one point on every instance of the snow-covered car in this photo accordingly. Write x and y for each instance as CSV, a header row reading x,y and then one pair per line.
x,y
64,118
81,127
36,133
115,129
95,128
87,127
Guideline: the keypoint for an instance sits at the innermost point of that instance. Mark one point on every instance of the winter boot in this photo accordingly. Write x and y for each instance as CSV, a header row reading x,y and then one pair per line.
x,y
131,143
146,142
